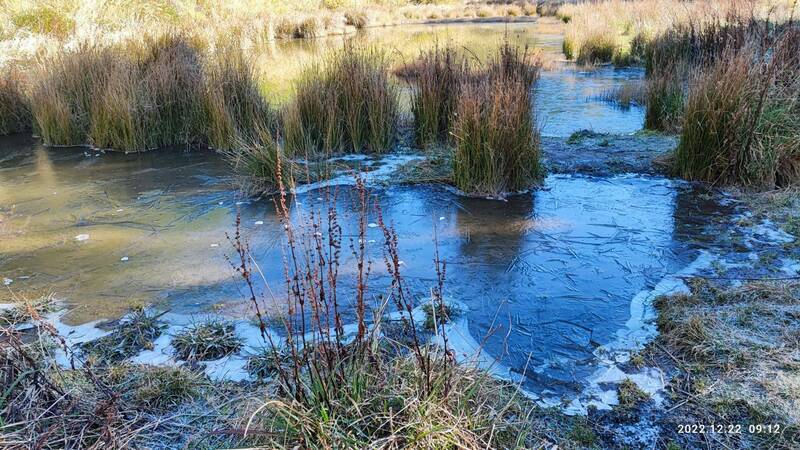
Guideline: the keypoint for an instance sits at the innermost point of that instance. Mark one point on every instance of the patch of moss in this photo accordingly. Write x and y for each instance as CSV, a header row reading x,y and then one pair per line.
x,y
630,395
583,434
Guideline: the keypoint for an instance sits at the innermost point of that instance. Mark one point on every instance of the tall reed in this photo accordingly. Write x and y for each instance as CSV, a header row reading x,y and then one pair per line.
x,y
139,96
258,157
438,76
497,142
742,116
63,91
15,113
346,104
235,108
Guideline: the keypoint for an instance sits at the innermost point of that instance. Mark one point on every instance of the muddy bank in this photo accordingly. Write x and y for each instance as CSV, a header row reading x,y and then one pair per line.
x,y
604,154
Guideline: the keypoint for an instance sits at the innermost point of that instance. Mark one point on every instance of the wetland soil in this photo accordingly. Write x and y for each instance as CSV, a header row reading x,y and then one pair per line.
x,y
603,154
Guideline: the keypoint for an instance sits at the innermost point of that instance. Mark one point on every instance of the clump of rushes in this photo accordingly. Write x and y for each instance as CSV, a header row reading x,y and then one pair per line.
x,y
259,158
135,332
150,97
346,104
497,144
140,96
235,108
742,116
599,47
63,91
128,97
15,113
438,76
206,341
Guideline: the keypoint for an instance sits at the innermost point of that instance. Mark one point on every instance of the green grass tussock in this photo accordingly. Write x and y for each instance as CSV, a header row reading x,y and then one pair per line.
x,y
206,341
346,104
597,48
15,112
497,143
49,19
742,116
135,333
259,158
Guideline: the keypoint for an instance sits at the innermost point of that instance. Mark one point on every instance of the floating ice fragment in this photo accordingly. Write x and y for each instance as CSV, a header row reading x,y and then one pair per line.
x,y
7,281
82,237
215,245
124,258
220,203
373,225
120,210
441,218
259,222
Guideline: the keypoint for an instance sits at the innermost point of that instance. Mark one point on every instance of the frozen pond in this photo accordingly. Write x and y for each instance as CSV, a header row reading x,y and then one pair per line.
x,y
551,273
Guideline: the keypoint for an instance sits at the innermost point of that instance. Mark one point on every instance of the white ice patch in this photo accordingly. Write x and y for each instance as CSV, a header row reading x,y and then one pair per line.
x,y
82,237
638,331
386,167
790,267
768,233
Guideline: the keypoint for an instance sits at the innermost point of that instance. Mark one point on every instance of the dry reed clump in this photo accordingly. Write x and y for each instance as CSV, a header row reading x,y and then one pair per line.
x,y
45,406
141,96
15,112
346,104
235,109
438,76
497,144
742,116
618,31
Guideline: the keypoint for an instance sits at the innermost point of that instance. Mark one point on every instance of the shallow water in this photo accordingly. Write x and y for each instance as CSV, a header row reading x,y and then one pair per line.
x,y
565,97
546,277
